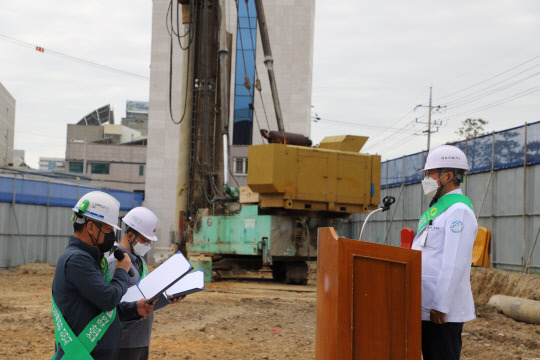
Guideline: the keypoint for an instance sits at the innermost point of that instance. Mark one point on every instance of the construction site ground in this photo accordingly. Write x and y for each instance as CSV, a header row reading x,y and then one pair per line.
x,y
252,317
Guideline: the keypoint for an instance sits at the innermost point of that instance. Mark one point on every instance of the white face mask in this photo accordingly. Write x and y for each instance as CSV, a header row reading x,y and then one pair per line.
x,y
430,186
141,249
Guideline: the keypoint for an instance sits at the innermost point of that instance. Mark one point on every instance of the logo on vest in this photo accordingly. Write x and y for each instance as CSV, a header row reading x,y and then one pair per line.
x,y
456,227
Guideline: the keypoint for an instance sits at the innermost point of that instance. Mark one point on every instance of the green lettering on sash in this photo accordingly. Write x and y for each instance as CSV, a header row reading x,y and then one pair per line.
x,y
441,206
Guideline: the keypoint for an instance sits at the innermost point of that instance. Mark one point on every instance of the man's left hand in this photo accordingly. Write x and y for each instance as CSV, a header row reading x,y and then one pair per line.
x,y
437,317
175,300
144,309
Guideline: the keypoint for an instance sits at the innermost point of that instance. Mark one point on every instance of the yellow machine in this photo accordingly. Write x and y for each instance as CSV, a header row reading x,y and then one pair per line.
x,y
333,177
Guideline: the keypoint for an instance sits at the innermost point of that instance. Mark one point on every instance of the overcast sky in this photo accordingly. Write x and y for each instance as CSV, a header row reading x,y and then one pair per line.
x,y
373,63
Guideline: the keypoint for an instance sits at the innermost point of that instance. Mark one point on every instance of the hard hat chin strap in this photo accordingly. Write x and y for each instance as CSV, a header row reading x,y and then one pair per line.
x,y
94,240
440,189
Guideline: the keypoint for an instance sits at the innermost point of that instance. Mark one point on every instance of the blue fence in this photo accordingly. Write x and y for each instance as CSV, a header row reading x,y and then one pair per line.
x,y
55,194
500,150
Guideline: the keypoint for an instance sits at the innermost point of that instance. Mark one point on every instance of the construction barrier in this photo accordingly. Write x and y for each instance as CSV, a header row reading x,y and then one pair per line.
x,y
480,255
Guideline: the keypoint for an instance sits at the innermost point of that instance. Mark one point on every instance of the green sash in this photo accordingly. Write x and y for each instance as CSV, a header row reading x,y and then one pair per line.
x,y
144,268
80,347
441,206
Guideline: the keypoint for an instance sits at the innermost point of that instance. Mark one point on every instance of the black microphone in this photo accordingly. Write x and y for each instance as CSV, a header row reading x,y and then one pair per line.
x,y
119,255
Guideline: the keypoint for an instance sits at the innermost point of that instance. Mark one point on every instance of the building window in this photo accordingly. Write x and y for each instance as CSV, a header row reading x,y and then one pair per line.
x,y
100,168
76,167
240,165
246,45
141,170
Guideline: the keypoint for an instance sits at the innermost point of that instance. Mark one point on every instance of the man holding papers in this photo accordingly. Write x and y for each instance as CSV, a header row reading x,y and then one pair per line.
x,y
140,226
84,295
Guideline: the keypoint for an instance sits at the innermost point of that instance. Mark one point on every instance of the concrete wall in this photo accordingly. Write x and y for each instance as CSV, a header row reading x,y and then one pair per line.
x,y
7,126
291,26
162,151
124,164
84,132
122,133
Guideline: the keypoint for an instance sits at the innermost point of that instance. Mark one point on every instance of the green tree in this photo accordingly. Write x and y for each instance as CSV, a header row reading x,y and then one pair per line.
x,y
471,128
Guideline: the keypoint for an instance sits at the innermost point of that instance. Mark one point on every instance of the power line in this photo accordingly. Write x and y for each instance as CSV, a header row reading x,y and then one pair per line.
x,y
490,78
346,123
73,58
498,102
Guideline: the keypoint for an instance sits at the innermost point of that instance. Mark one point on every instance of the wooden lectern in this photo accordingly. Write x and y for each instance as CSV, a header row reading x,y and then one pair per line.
x,y
368,300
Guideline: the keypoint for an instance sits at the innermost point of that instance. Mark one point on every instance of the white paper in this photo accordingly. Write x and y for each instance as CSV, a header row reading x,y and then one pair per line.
x,y
190,283
132,294
164,276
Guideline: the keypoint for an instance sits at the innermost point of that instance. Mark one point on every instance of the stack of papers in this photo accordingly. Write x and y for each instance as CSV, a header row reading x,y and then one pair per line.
x,y
164,277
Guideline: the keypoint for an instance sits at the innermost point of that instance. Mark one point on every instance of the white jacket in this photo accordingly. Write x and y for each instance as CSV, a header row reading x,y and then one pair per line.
x,y
446,263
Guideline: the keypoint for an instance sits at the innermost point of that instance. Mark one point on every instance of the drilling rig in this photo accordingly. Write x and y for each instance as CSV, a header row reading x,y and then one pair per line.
x,y
293,188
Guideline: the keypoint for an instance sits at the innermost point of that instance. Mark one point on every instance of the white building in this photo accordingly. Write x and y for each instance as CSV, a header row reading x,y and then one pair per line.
x,y
18,158
7,127
291,28
51,163
114,156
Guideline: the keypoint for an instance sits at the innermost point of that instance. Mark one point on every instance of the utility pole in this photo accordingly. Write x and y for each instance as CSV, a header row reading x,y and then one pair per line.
x,y
430,109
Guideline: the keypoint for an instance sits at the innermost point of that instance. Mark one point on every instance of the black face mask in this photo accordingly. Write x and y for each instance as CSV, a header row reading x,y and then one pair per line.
x,y
108,242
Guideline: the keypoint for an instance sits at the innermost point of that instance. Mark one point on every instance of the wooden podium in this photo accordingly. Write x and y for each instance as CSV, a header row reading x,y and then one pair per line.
x,y
368,300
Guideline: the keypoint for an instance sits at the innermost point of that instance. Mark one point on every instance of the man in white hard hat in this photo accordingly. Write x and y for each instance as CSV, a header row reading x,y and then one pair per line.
x,y
446,234
85,296
140,227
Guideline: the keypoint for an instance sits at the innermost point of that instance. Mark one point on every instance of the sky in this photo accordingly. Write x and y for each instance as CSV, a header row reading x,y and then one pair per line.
x,y
373,63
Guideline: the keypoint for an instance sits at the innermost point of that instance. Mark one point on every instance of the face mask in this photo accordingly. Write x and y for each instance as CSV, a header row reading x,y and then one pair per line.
x,y
108,242
141,249
430,186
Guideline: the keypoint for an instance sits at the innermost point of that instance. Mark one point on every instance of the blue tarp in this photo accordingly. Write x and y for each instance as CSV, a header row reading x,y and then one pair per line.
x,y
504,149
54,194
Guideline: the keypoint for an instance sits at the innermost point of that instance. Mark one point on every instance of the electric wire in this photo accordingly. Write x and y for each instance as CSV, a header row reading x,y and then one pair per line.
x,y
491,92
498,102
490,78
74,59
347,123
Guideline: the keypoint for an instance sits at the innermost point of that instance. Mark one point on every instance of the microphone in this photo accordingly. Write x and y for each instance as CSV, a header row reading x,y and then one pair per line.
x,y
119,255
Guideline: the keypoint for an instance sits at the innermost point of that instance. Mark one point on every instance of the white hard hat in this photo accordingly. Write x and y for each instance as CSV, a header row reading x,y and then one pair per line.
x,y
99,206
142,220
446,157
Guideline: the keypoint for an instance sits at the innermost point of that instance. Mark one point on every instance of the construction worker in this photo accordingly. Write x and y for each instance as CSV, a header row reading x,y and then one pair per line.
x,y
446,234
84,296
140,226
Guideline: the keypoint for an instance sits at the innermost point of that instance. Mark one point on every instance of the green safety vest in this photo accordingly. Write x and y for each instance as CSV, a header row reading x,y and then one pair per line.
x,y
144,268
80,347
441,206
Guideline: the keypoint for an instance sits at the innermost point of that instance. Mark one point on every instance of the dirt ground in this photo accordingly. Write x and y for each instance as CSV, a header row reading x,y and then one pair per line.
x,y
252,318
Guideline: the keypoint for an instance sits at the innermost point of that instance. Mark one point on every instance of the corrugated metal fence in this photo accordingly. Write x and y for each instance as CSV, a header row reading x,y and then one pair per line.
x,y
503,184
34,218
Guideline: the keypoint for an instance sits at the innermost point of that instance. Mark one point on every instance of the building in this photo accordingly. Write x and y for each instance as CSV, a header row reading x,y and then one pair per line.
x,y
114,156
18,158
113,166
50,163
7,127
291,29
137,116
